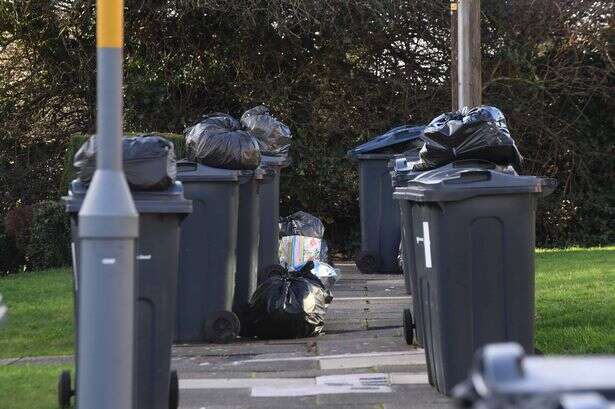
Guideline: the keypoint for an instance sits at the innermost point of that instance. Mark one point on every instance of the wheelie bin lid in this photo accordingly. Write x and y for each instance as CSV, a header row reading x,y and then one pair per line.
x,y
467,179
397,139
170,200
503,370
188,171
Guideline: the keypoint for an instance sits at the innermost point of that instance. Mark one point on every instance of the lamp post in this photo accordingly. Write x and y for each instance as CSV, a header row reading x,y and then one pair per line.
x,y
108,228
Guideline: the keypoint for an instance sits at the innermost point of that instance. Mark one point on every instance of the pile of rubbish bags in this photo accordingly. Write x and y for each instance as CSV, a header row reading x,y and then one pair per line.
x,y
289,304
221,141
479,133
291,301
149,161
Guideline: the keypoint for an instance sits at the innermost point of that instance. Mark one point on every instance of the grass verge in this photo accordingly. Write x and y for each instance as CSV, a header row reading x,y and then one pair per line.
x,y
29,386
575,301
40,317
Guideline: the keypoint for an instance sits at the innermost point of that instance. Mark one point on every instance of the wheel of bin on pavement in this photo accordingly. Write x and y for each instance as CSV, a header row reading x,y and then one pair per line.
x,y
366,263
64,389
408,327
222,327
173,390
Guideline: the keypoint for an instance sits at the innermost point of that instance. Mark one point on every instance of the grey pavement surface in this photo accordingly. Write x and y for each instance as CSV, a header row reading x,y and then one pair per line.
x,y
361,361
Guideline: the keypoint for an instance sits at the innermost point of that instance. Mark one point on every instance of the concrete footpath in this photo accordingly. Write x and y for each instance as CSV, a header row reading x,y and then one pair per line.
x,y
361,361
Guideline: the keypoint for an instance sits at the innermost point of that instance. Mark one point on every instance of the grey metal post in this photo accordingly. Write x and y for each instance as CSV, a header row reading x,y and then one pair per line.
x,y
463,53
108,228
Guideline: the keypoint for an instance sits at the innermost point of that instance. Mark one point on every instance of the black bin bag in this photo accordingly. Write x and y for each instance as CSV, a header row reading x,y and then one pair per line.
x,y
218,141
273,136
479,133
301,224
291,304
149,162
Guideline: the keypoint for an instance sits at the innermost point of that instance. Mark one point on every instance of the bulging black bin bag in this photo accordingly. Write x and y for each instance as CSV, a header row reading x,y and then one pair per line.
x,y
288,305
218,141
273,136
301,224
149,161
478,133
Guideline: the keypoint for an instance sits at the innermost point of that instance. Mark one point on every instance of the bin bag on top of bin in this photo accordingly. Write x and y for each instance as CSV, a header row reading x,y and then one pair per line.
x,y
272,135
477,133
291,304
149,161
218,141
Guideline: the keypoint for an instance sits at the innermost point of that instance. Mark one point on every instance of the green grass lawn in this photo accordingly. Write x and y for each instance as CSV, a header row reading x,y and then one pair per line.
x,y
29,387
575,301
40,317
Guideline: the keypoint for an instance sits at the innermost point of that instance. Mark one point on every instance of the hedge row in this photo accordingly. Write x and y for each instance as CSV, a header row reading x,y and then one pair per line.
x,y
35,237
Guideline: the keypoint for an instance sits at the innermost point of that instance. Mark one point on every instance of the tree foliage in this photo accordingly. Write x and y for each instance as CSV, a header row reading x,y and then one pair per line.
x,y
337,72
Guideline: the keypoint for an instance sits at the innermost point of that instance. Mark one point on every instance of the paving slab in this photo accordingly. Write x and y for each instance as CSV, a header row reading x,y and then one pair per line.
x,y
360,361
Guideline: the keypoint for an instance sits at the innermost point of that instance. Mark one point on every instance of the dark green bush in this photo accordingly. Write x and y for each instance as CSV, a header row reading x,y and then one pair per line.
x,y
50,236
9,257
17,226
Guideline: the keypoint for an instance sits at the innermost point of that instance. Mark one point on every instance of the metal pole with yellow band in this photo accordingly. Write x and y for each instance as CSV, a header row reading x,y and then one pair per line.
x,y
108,229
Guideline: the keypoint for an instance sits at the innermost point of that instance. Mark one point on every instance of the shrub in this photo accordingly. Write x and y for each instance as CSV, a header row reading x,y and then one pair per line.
x,y
50,236
17,227
9,260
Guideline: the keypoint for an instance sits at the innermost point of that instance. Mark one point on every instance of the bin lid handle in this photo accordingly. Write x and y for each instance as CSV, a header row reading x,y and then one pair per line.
x,y
469,176
186,166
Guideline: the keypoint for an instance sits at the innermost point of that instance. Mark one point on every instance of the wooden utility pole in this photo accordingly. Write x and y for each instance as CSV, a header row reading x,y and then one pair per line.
x,y
469,81
454,84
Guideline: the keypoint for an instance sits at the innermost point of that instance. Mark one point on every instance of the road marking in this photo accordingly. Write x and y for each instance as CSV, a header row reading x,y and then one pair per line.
x,y
244,383
269,392
372,361
395,298
321,385
415,352
331,385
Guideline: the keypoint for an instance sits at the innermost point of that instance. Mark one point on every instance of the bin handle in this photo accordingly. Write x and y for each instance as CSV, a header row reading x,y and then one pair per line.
x,y
474,162
186,166
469,176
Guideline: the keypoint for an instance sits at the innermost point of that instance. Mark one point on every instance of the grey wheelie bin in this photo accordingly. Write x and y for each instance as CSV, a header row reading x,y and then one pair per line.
x,y
473,232
218,251
401,174
160,215
380,225
249,235
270,212
502,372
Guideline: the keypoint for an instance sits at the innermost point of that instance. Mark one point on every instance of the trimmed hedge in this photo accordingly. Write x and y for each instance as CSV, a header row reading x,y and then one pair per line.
x,y
50,236
9,260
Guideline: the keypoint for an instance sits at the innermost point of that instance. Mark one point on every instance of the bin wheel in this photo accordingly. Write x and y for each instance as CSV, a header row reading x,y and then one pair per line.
x,y
64,389
408,327
173,390
366,263
222,327
270,270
